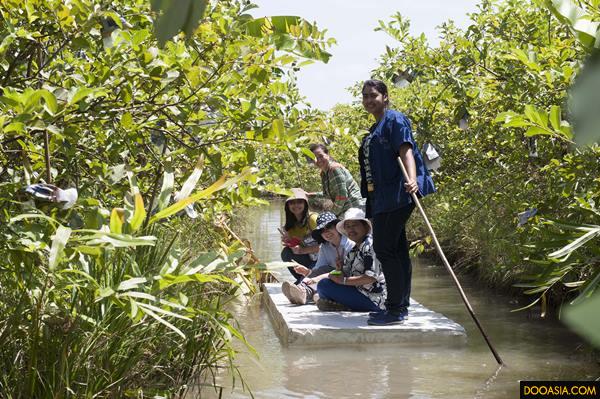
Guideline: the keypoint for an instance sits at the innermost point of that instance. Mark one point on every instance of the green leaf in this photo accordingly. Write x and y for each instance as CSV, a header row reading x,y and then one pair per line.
x,y
555,117
517,122
26,216
50,104
276,189
168,182
80,273
285,32
283,41
126,120
590,286
220,184
565,130
115,17
134,309
169,280
104,292
165,312
97,237
17,127
162,321
55,130
178,15
200,263
141,295
511,119
536,116
194,15
174,15
79,94
278,128
131,283
117,218
183,299
6,42
537,131
574,284
88,250
133,184
308,153
59,241
572,246
585,95
583,318
192,180
520,55
139,213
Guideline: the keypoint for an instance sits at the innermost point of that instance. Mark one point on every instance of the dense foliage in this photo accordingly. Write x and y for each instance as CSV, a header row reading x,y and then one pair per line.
x,y
516,197
104,299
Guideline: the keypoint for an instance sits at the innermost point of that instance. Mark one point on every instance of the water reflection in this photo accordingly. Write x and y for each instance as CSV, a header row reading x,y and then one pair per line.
x,y
532,349
353,371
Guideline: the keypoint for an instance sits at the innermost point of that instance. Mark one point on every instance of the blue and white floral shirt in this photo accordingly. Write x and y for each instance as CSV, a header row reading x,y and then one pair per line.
x,y
361,261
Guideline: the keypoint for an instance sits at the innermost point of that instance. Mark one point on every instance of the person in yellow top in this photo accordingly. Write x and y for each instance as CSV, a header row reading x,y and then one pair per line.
x,y
298,244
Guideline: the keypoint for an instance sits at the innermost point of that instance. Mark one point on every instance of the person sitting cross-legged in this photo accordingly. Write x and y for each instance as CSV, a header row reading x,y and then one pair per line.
x,y
361,285
334,247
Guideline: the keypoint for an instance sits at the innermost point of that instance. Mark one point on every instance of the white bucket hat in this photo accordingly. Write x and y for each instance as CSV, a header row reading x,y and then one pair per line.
x,y
353,214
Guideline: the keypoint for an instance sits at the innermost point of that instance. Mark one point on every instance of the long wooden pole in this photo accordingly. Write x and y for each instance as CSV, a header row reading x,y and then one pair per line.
x,y
447,265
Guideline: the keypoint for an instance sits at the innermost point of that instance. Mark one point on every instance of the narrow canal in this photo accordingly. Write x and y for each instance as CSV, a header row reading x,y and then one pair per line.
x,y
533,349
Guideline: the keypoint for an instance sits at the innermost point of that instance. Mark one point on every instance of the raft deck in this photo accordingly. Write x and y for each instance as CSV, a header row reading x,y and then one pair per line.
x,y
306,325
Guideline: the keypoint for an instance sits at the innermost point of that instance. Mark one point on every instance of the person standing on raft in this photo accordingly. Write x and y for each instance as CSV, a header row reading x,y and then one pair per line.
x,y
389,203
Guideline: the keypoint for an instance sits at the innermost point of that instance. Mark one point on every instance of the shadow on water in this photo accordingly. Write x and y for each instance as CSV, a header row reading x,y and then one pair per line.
x,y
532,349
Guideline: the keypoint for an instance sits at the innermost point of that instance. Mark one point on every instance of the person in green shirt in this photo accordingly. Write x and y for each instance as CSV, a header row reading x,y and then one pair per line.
x,y
337,183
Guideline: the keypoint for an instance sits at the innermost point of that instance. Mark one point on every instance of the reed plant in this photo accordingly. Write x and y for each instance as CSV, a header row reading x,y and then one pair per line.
x,y
117,311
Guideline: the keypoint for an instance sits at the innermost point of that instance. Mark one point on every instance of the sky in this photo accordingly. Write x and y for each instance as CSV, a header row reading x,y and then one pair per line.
x,y
351,23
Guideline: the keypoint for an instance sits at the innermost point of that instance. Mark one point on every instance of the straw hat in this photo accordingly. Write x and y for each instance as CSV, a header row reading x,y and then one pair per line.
x,y
353,214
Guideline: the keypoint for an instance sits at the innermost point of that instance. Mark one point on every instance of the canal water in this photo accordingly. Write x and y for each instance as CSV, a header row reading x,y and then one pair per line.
x,y
532,348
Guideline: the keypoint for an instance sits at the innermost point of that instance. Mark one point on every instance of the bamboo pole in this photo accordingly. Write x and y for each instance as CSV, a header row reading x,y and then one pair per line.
x,y
447,265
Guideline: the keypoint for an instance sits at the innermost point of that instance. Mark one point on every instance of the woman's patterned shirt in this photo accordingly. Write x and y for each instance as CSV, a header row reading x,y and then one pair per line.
x,y
361,261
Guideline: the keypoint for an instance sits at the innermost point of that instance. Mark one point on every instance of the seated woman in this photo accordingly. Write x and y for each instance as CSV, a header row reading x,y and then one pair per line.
x,y
361,286
334,247
296,236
